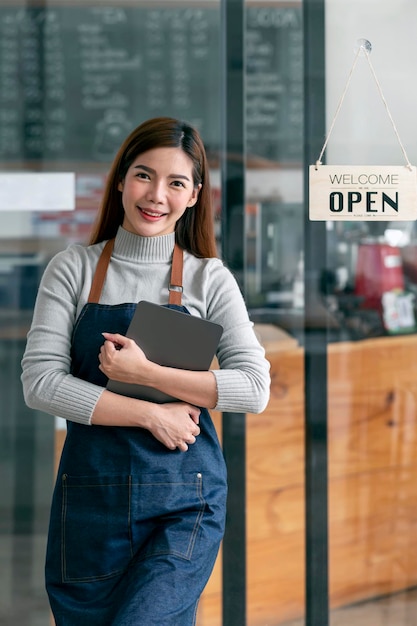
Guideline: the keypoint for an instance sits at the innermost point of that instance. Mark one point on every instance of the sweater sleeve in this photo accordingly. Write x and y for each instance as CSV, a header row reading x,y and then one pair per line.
x,y
243,380
47,382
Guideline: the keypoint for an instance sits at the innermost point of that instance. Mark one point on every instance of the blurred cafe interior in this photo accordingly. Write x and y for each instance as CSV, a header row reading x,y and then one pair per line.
x,y
322,517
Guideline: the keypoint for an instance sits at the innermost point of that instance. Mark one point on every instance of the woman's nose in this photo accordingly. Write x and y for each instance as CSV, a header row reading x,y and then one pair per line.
x,y
156,192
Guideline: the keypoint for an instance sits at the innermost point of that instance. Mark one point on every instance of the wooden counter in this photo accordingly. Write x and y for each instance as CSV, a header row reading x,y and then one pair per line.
x,y
372,395
373,467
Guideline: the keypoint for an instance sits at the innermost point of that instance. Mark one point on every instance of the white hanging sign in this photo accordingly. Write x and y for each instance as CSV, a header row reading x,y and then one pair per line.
x,y
371,192
368,192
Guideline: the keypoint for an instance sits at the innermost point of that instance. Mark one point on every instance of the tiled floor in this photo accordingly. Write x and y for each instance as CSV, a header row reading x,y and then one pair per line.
x,y
23,601
396,610
22,598
399,609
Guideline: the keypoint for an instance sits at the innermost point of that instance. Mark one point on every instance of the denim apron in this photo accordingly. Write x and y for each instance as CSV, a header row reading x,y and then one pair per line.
x,y
135,528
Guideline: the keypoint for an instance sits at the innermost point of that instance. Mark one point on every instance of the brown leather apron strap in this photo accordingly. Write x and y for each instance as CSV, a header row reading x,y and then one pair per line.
x,y
175,285
100,273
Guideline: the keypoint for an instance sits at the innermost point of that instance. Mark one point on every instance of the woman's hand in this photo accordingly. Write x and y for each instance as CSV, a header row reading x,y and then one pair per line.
x,y
121,359
175,424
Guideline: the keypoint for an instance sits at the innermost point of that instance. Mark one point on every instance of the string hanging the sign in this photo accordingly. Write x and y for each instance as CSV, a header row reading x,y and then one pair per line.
x,y
365,46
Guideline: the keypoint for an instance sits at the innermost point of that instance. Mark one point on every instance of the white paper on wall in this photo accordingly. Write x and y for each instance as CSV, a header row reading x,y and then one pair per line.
x,y
37,191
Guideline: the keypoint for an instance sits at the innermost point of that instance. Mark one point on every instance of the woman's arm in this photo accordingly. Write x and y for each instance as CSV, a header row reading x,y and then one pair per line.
x,y
122,359
48,384
173,424
242,382
242,379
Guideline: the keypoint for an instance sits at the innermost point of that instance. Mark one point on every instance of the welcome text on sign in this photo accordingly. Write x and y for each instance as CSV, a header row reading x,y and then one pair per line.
x,y
364,179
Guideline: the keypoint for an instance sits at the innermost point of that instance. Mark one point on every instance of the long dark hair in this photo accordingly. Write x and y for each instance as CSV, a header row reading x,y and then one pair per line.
x,y
194,231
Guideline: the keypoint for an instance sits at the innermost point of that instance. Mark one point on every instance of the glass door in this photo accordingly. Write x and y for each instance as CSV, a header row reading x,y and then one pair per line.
x,y
274,291
371,287
75,79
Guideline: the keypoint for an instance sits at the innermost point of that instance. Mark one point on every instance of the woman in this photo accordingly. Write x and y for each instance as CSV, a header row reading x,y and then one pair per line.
x,y
138,510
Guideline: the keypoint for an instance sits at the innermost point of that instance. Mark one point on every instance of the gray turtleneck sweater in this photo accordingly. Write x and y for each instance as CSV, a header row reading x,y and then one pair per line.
x,y
139,270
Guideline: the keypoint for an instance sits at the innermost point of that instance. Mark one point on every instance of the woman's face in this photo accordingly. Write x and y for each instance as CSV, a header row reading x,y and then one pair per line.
x,y
158,188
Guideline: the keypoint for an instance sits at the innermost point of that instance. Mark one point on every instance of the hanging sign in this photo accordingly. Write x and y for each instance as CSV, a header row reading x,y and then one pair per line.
x,y
371,192
368,192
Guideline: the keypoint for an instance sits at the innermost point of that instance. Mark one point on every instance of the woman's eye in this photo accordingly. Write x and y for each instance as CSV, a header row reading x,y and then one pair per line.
x,y
178,183
142,175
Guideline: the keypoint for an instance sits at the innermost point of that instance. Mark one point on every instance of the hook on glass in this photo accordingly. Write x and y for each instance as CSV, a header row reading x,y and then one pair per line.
x,y
363,46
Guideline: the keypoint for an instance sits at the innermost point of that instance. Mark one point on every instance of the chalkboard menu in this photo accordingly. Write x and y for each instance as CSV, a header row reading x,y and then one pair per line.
x,y
274,82
74,80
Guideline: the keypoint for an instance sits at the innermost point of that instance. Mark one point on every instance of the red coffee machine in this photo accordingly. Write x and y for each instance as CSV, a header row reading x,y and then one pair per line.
x,y
378,270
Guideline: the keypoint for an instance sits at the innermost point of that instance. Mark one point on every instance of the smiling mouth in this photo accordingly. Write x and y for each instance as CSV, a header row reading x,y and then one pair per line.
x,y
150,213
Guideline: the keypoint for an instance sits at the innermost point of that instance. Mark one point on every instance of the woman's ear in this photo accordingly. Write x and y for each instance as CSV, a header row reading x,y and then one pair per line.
x,y
194,197
120,186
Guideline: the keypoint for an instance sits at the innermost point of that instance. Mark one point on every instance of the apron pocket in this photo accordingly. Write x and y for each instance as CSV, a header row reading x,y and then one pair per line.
x,y
95,529
176,505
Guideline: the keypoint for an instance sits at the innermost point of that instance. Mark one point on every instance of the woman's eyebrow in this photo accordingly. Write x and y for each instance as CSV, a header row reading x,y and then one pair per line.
x,y
152,171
